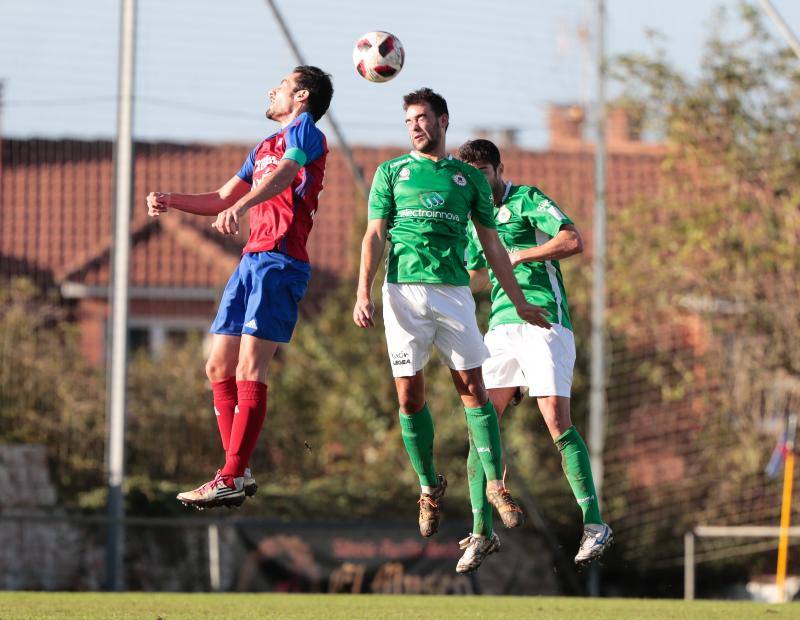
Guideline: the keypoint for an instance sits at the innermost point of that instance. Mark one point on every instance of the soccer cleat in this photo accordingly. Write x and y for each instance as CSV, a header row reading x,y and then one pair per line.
x,y
249,483
215,492
597,538
476,549
510,513
429,513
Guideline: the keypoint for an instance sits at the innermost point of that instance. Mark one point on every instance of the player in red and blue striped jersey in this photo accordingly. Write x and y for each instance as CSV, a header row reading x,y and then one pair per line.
x,y
278,185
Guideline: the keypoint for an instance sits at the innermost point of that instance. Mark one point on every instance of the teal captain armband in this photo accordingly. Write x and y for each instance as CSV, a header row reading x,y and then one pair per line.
x,y
296,154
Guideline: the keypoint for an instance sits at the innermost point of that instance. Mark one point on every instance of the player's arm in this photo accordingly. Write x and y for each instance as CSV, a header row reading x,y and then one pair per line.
x,y
210,203
566,243
273,184
478,279
372,247
497,258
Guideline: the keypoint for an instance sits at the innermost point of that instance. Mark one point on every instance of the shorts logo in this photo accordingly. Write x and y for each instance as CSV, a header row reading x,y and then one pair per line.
x,y
459,179
503,215
400,359
404,174
251,324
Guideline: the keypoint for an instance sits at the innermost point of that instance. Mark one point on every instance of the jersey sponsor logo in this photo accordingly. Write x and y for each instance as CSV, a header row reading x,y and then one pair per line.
x,y
459,179
261,164
503,215
404,174
430,213
431,199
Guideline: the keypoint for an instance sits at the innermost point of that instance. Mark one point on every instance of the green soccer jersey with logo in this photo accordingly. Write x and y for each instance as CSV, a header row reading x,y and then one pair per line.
x,y
526,218
427,205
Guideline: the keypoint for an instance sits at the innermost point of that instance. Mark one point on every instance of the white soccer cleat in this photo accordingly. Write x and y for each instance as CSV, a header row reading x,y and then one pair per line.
x,y
249,483
215,492
597,538
476,549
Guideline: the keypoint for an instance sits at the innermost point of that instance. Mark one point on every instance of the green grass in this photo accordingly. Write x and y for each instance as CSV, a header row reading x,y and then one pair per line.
x,y
30,605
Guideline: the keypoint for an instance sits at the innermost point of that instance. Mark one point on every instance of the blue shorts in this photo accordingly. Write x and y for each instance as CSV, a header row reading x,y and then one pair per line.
x,y
261,297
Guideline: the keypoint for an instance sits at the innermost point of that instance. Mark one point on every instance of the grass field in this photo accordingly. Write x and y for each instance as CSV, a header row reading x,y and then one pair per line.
x,y
30,605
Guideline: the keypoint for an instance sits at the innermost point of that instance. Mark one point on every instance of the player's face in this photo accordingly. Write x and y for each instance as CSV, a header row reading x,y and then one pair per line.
x,y
425,130
281,98
491,173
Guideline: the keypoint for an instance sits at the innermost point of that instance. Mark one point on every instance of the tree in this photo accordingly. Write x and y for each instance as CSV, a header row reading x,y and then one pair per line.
x,y
704,270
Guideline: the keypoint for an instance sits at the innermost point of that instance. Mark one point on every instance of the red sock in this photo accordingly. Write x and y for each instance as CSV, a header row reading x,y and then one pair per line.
x,y
247,423
224,407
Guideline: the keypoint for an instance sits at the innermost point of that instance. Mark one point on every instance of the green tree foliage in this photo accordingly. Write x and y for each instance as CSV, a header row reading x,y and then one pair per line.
x,y
704,270
48,393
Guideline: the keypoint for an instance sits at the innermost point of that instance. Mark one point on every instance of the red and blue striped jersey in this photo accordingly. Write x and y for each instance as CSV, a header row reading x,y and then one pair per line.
x,y
284,222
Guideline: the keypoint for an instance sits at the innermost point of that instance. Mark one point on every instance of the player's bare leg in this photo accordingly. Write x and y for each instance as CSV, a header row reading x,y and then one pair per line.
x,y
502,398
418,432
484,430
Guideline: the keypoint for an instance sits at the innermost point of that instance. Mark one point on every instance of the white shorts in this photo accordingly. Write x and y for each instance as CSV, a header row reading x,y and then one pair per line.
x,y
419,316
527,356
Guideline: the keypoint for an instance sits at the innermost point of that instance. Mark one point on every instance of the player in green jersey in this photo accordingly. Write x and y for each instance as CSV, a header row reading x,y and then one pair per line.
x,y
421,203
536,234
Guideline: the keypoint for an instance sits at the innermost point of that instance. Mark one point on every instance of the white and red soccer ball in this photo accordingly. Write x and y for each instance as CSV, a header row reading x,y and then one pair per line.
x,y
378,56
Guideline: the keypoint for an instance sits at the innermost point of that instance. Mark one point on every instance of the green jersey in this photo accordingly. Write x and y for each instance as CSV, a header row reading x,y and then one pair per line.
x,y
526,218
427,205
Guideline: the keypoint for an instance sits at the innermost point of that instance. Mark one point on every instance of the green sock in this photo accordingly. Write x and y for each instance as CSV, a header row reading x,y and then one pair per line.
x,y
485,432
417,431
481,508
578,469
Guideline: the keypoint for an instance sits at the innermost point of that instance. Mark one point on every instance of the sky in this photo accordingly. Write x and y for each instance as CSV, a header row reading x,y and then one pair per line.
x,y
203,67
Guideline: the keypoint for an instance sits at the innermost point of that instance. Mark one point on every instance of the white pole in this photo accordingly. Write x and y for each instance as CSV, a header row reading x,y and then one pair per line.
x,y
116,368
214,569
688,566
781,24
597,393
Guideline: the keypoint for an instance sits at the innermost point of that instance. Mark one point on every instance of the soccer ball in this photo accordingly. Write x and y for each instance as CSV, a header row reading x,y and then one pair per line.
x,y
378,56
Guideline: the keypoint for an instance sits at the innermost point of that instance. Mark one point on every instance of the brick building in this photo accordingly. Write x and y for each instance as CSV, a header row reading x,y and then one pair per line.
x,y
56,203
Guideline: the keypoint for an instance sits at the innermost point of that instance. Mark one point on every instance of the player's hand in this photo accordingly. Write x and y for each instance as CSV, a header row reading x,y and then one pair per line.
x,y
227,221
535,315
157,203
363,311
514,258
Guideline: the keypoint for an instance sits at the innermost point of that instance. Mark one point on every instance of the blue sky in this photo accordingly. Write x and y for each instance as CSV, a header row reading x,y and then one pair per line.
x,y
204,66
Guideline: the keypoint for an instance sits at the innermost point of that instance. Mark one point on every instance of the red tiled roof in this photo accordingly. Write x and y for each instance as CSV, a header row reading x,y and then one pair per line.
x,y
56,199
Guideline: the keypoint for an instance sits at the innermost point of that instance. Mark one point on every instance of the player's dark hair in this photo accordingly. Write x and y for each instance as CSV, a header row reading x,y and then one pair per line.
x,y
479,151
426,95
319,87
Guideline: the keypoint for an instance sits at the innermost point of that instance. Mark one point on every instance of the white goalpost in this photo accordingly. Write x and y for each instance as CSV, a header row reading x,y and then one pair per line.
x,y
723,531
